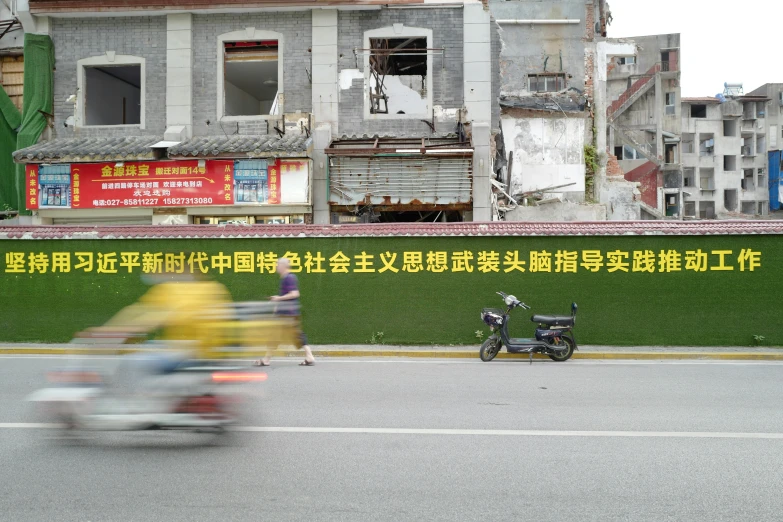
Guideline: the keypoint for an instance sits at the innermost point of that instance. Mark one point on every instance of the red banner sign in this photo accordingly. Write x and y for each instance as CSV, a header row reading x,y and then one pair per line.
x,y
153,184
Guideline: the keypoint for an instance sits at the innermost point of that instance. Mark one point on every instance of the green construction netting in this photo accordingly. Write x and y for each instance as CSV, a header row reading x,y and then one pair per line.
x,y
10,118
38,99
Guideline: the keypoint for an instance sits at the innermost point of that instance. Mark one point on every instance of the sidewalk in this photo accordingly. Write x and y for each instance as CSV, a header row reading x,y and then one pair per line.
x,y
759,353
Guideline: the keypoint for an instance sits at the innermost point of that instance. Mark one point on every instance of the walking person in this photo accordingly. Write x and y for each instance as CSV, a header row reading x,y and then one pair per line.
x,y
289,306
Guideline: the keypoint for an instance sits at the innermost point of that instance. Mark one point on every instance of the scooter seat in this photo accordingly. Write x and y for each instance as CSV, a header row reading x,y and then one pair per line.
x,y
553,320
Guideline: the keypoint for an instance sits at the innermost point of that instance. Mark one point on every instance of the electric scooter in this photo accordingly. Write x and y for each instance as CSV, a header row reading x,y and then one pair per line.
x,y
554,334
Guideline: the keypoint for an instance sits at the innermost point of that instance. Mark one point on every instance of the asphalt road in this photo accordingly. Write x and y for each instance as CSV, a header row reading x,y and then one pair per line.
x,y
426,440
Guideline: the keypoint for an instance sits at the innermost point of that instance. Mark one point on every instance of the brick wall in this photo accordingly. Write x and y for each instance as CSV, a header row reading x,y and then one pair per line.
x,y
296,28
78,38
447,80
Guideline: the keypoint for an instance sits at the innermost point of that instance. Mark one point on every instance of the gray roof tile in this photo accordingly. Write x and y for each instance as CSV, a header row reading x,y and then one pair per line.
x,y
290,144
65,150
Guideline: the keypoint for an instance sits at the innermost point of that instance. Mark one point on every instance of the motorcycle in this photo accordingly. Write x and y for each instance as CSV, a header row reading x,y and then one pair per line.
x,y
146,394
554,334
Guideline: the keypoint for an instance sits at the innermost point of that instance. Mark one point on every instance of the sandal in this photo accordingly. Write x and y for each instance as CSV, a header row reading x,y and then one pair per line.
x,y
307,363
260,363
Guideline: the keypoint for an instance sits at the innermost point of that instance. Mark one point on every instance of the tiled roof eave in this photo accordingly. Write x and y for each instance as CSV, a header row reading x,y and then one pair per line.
x,y
494,229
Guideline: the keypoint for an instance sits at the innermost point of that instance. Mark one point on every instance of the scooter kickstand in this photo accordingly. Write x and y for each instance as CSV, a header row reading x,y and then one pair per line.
x,y
531,357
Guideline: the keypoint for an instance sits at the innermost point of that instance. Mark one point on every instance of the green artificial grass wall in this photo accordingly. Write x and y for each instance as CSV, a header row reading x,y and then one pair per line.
x,y
684,307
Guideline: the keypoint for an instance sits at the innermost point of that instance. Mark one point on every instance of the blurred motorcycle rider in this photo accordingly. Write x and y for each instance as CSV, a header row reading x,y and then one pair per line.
x,y
183,307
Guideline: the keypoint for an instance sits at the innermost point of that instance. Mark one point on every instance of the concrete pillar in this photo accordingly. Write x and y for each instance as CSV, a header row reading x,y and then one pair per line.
x,y
31,23
482,200
660,152
322,137
325,87
179,77
477,63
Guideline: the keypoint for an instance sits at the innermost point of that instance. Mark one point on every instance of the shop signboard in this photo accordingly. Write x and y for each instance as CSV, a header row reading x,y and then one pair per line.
x,y
189,183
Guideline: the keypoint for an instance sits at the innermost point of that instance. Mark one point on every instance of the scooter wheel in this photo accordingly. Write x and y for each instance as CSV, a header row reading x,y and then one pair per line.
x,y
489,350
563,354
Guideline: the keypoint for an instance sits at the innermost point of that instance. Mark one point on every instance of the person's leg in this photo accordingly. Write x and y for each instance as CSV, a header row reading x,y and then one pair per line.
x,y
309,359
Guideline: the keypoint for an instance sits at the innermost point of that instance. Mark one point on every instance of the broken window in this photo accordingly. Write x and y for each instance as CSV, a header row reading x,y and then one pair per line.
x,y
112,95
670,101
627,60
698,111
398,75
250,78
546,82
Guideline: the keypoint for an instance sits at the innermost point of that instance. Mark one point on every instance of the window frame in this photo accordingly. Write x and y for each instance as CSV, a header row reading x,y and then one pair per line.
x,y
250,34
108,59
538,76
396,32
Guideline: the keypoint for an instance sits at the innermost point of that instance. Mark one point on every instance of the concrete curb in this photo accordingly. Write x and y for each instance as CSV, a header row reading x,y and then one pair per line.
x,y
431,354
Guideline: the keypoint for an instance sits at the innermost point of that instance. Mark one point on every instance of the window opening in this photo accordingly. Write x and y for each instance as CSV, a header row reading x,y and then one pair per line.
x,y
707,209
690,209
706,144
112,95
730,199
747,180
553,82
707,179
729,163
627,60
670,100
250,78
749,207
762,179
688,176
730,128
698,111
398,75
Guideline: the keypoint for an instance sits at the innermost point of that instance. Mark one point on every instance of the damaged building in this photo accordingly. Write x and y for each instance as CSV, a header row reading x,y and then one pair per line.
x,y
547,65
643,121
265,112
724,145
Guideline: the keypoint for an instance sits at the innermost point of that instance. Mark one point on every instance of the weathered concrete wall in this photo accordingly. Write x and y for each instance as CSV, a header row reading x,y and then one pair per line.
x,y
560,211
621,199
526,48
547,152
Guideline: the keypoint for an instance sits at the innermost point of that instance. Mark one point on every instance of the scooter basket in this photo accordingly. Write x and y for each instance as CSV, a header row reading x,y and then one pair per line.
x,y
492,316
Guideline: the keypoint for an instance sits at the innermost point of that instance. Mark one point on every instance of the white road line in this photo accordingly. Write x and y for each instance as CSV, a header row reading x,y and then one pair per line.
x,y
465,432
363,360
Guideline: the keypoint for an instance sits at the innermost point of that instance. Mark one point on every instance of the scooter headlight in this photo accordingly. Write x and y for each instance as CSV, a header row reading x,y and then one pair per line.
x,y
510,300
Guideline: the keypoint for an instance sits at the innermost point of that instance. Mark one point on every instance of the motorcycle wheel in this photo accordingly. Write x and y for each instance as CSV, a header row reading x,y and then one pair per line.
x,y
563,355
489,350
